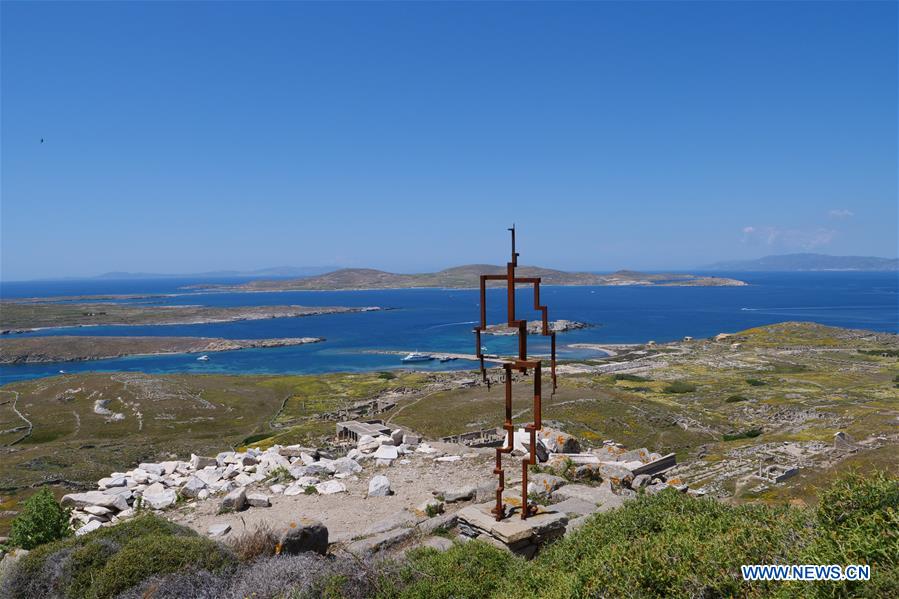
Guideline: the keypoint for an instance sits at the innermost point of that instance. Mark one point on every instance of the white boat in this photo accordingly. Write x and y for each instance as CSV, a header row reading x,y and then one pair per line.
x,y
418,357
203,358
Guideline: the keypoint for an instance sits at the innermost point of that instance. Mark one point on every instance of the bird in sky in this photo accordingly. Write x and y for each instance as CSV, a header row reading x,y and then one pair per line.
x,y
42,140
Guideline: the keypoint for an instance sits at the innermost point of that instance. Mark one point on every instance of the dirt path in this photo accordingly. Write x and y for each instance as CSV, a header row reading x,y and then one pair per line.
x,y
20,415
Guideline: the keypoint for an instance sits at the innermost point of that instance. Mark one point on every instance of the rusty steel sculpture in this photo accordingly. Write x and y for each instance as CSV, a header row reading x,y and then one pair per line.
x,y
523,365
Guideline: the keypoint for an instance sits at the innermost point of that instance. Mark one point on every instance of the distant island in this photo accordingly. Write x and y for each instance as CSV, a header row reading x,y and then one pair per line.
x,y
17,317
276,271
65,348
462,277
799,262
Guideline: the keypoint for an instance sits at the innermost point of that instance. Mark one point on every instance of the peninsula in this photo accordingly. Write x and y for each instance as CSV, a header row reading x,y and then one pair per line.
x,y
20,317
70,348
462,277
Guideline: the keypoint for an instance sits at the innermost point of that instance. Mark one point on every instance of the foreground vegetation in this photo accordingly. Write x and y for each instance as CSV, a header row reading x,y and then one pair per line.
x,y
668,544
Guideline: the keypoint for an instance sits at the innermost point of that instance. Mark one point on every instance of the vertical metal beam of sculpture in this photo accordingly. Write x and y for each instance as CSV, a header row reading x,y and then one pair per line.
x,y
522,364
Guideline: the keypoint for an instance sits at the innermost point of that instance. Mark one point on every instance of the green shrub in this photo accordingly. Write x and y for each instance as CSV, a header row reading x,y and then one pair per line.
x,y
680,387
857,522
631,377
157,554
473,569
755,382
750,434
42,520
736,398
70,567
255,438
665,545
386,376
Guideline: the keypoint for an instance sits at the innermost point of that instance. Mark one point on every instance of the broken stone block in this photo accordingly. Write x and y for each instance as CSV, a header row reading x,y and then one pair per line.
x,y
640,481
379,542
367,443
97,510
575,507
159,501
544,484
304,535
89,527
397,436
112,481
616,472
193,487
386,452
199,462
107,500
258,500
346,466
219,530
330,487
557,441
235,500
454,494
379,486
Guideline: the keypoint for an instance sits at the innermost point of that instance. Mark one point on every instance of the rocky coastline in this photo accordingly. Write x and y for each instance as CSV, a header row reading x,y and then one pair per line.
x,y
63,348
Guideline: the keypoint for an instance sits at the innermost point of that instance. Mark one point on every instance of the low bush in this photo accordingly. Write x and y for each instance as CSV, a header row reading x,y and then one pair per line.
x,y
631,377
750,434
99,563
42,520
473,569
736,398
157,554
680,387
259,542
755,382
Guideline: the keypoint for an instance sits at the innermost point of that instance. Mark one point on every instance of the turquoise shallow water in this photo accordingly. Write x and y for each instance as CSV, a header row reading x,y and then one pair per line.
x,y
441,320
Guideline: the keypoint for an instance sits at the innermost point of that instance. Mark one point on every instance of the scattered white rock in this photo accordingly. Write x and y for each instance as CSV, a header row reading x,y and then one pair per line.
x,y
330,487
219,530
199,462
448,458
235,500
89,527
258,500
367,443
386,452
158,501
347,466
379,486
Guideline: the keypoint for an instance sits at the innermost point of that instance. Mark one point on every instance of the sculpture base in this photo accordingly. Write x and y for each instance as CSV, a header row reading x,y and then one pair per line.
x,y
521,537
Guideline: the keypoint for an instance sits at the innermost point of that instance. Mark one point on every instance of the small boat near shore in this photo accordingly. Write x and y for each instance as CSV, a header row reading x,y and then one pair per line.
x,y
418,357
203,358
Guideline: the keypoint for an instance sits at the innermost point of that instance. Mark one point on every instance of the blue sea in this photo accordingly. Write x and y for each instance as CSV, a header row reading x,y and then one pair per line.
x,y
441,320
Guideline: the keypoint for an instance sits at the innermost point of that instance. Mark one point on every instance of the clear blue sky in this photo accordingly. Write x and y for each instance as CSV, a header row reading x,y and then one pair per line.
x,y
408,136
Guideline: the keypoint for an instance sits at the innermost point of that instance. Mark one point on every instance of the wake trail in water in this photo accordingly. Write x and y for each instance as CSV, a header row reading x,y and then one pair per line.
x,y
451,324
